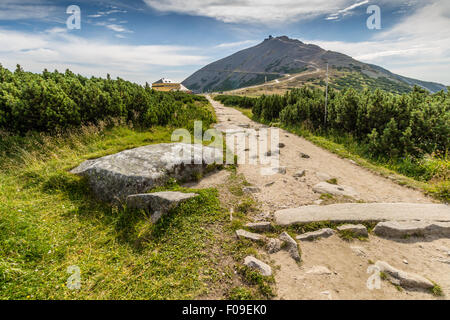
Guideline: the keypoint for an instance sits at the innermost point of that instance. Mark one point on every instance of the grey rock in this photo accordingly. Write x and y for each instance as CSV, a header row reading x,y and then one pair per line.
x,y
261,267
291,246
251,190
242,234
260,226
358,230
401,229
325,187
299,174
319,270
304,155
268,171
158,203
323,176
404,279
310,236
359,251
273,245
359,212
114,177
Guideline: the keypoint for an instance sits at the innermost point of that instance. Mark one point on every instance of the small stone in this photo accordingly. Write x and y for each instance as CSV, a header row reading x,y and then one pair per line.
x,y
299,174
405,261
248,235
359,251
325,187
281,145
273,245
251,190
310,236
323,176
357,229
304,155
318,202
269,184
260,226
291,246
319,270
261,267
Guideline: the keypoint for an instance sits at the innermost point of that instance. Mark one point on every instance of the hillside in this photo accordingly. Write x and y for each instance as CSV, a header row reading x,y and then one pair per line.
x,y
282,57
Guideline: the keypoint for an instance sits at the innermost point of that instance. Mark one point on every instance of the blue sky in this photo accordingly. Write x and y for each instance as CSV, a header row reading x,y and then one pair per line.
x,y
144,40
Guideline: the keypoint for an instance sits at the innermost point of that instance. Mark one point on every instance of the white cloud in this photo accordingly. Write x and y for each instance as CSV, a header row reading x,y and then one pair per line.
x,y
236,44
28,10
252,11
92,57
346,11
418,46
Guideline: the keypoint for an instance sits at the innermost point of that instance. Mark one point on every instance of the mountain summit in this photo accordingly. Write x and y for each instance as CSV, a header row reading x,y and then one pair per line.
x,y
280,57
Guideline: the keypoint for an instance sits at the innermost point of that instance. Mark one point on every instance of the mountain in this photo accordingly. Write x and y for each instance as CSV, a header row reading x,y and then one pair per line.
x,y
282,57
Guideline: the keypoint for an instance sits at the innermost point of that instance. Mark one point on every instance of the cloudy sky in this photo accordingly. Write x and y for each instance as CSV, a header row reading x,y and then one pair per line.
x,y
144,40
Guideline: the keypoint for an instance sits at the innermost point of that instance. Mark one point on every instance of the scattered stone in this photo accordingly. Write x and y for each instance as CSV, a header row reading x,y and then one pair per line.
x,y
273,245
405,261
323,176
299,174
304,155
115,177
318,202
310,236
270,184
242,234
359,212
261,267
353,162
291,246
272,170
244,125
401,229
319,270
158,203
271,153
251,190
358,230
359,251
281,145
404,279
446,261
260,226
325,187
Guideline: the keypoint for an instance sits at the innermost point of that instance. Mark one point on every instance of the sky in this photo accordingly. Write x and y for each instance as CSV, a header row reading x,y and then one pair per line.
x,y
145,40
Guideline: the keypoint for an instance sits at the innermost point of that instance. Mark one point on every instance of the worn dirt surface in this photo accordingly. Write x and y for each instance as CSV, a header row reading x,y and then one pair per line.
x,y
428,257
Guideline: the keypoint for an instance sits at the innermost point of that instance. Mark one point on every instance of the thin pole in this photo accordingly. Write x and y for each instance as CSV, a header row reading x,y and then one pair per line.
x,y
326,99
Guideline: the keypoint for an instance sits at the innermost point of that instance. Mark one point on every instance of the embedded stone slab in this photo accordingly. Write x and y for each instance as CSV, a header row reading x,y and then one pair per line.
x,y
291,245
363,212
158,203
401,229
311,236
248,235
273,245
336,190
358,230
114,177
261,267
251,190
260,226
402,278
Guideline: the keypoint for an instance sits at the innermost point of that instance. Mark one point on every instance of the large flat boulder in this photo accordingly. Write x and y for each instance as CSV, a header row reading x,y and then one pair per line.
x,y
158,203
336,190
114,177
363,212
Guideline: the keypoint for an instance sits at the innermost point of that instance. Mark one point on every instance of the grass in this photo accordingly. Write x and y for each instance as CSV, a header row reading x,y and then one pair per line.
x,y
49,221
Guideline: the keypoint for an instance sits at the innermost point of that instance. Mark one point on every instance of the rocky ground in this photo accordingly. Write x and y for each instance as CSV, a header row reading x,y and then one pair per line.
x,y
331,267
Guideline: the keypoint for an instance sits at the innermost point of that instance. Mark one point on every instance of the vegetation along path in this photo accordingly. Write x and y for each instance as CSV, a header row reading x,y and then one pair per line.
x,y
337,267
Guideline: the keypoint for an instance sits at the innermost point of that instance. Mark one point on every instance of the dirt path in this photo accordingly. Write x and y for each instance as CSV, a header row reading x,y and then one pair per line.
x,y
348,265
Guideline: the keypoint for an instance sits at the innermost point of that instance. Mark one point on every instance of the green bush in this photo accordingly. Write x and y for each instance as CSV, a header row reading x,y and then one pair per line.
x,y
54,101
389,125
